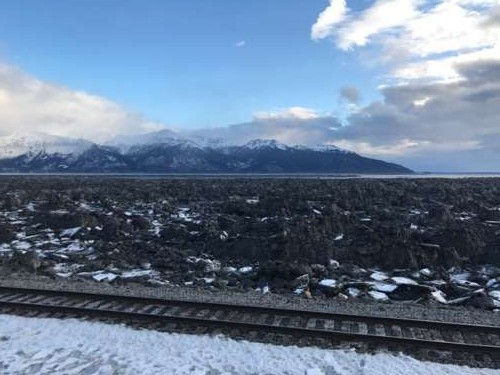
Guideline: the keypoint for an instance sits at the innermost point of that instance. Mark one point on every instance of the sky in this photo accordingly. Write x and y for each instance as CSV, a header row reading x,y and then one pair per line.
x,y
411,81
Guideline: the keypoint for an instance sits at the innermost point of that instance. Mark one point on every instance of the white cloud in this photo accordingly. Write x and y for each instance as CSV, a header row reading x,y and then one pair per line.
x,y
381,17
478,3
407,147
332,15
447,27
441,93
422,102
240,44
28,105
299,113
423,38
443,69
295,125
493,19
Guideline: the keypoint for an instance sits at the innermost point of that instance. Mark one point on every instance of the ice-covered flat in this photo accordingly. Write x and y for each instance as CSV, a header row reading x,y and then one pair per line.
x,y
51,346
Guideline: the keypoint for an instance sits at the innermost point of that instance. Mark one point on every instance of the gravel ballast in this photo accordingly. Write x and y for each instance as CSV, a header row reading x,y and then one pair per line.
x,y
337,305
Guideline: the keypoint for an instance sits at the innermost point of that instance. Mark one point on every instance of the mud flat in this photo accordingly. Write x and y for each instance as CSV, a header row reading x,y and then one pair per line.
x,y
349,242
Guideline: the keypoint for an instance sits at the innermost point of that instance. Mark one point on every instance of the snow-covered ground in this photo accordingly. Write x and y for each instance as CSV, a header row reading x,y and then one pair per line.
x,y
52,346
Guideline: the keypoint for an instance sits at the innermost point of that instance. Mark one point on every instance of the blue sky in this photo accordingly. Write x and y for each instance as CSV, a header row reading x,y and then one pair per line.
x,y
410,81
177,61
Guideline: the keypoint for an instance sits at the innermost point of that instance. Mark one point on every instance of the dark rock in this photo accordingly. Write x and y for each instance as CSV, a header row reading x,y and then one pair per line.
x,y
289,231
481,301
7,233
409,292
29,261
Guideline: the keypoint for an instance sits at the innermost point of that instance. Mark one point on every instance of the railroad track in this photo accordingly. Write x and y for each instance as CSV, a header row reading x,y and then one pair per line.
x,y
473,344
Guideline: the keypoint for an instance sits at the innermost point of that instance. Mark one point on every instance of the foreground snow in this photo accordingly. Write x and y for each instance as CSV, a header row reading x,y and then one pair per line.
x,y
51,346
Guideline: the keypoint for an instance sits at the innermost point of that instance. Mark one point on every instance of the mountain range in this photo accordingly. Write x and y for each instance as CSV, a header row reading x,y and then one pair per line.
x,y
168,152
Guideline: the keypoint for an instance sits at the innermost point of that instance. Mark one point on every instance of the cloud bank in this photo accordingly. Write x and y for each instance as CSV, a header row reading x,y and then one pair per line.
x,y
427,121
295,125
30,105
332,15
441,96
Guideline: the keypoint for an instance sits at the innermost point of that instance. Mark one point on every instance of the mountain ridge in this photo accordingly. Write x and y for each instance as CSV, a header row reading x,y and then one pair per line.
x,y
167,152
18,144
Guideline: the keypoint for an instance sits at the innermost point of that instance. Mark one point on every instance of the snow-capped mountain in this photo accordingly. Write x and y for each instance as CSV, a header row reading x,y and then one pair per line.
x,y
35,143
203,141
125,142
257,144
168,152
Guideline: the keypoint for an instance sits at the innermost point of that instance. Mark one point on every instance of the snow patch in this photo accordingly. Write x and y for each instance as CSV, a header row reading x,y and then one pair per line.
x,y
329,283
105,277
403,281
41,345
385,288
245,270
138,273
379,276
70,232
379,296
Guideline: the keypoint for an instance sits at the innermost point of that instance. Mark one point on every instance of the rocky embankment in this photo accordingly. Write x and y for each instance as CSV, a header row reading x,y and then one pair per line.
x,y
434,241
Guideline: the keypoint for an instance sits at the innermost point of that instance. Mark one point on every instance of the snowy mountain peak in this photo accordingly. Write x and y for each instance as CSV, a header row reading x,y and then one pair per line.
x,y
35,143
210,142
18,144
265,143
163,153
126,142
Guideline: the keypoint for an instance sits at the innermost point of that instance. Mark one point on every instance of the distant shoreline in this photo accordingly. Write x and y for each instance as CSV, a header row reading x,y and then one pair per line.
x,y
326,176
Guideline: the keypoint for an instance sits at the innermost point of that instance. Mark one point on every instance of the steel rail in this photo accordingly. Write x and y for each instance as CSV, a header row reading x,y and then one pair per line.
x,y
407,322
17,294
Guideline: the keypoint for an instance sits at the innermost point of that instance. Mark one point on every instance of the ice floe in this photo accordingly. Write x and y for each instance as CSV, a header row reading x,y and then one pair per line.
x,y
379,296
383,287
138,273
108,276
246,269
379,276
439,296
426,272
330,283
353,292
70,232
403,281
